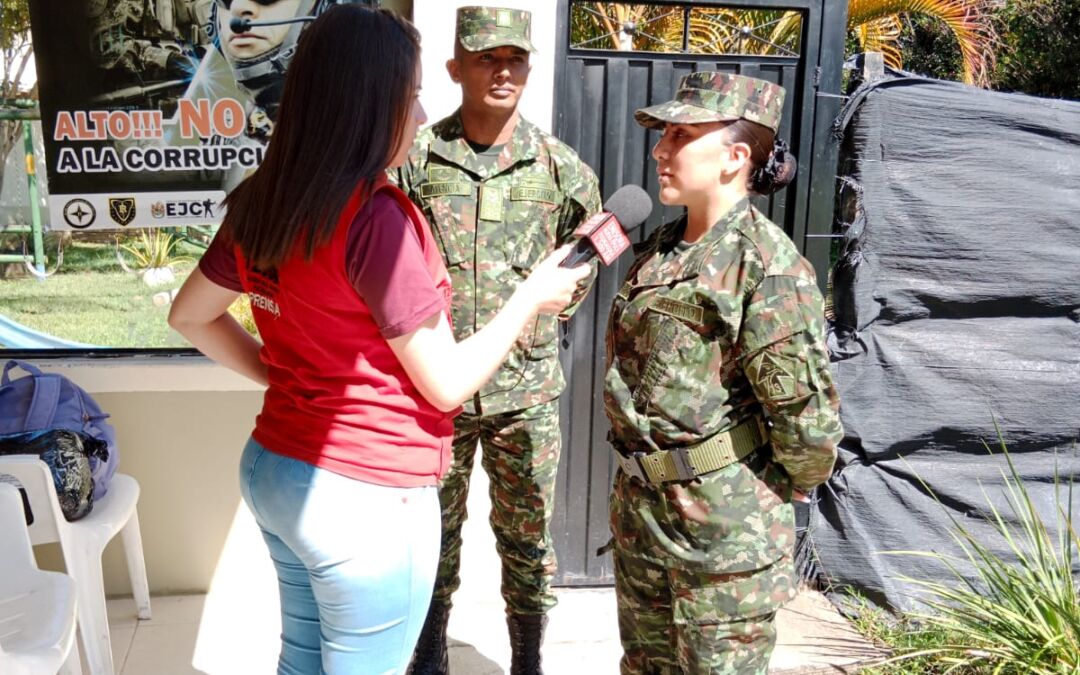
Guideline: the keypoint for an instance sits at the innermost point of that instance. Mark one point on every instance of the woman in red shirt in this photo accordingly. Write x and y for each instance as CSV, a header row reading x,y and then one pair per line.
x,y
363,374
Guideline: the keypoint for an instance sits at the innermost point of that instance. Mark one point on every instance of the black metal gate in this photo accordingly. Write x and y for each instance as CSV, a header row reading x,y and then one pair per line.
x,y
638,63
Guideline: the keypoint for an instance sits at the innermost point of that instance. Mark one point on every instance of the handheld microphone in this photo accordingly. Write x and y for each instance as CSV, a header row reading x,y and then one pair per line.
x,y
241,25
604,234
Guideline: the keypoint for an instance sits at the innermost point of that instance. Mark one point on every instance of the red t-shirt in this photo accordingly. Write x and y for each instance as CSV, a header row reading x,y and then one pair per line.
x,y
397,289
338,397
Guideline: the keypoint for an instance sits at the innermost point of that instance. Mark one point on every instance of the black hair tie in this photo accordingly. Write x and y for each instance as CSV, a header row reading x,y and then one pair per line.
x,y
774,168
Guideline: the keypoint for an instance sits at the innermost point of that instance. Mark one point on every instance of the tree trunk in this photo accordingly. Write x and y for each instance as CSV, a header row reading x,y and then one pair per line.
x,y
16,60
10,131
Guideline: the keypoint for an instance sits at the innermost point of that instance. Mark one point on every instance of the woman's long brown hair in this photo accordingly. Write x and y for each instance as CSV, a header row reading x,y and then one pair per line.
x,y
348,92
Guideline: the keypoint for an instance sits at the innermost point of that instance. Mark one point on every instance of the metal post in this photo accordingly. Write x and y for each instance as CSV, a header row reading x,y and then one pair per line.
x,y
873,66
35,207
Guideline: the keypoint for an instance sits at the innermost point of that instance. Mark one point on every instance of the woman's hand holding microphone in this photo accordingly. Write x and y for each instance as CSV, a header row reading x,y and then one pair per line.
x,y
551,288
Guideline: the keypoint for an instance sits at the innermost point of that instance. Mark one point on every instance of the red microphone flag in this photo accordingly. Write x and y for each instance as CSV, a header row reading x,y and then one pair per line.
x,y
606,236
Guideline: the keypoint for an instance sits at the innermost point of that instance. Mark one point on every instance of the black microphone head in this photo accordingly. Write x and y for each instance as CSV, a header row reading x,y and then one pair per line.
x,y
630,205
239,24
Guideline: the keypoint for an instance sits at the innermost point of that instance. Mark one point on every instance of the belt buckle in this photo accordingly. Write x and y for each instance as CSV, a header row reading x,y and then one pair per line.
x,y
631,464
683,467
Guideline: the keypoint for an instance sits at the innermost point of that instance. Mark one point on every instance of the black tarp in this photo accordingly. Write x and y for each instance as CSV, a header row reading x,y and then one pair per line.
x,y
957,301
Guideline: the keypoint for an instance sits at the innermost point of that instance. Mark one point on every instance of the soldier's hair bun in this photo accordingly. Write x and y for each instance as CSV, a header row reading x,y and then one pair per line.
x,y
777,172
773,164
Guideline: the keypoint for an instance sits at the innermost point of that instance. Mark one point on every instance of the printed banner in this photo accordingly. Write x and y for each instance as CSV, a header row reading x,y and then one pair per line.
x,y
152,110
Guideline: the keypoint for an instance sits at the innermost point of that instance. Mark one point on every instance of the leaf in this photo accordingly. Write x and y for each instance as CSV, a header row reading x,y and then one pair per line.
x,y
969,21
1022,616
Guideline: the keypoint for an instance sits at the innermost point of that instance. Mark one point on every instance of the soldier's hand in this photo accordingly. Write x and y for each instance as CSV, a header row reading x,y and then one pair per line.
x,y
551,287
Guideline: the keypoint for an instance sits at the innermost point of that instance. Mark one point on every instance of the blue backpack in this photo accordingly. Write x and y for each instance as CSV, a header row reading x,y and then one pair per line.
x,y
48,401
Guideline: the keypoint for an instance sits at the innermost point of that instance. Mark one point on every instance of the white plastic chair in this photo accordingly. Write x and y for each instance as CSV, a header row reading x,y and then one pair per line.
x,y
82,543
37,609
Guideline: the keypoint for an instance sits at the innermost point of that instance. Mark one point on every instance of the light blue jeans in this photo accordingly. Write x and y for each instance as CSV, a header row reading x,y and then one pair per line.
x,y
355,561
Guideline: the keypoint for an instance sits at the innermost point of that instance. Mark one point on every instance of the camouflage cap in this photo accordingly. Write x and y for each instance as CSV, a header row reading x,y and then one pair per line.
x,y
718,97
480,28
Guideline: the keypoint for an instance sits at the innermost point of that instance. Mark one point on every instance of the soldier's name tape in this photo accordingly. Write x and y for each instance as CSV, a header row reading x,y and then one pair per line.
x,y
525,193
159,158
533,194
686,311
680,310
428,190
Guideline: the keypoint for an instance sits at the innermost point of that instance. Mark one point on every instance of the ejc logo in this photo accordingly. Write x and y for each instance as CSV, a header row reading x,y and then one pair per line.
x,y
184,209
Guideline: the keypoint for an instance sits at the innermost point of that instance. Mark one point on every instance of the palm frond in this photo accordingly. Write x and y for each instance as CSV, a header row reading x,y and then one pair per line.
x,y
770,32
882,35
968,20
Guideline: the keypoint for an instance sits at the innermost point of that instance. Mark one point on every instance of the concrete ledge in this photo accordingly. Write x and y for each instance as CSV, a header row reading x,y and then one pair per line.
x,y
135,374
813,638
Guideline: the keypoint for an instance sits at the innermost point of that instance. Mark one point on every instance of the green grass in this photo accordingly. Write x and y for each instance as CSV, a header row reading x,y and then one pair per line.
x,y
91,300
904,636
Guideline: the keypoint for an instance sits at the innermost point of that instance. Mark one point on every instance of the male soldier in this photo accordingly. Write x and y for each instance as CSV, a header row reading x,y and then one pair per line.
x,y
136,42
500,194
249,66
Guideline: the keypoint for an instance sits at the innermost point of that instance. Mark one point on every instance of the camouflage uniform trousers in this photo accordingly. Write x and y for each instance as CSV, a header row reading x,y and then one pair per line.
x,y
675,621
520,453
715,615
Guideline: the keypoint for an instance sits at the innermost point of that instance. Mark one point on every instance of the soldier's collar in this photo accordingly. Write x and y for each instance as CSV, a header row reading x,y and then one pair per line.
x,y
671,234
732,218
686,263
526,140
452,146
674,230
666,264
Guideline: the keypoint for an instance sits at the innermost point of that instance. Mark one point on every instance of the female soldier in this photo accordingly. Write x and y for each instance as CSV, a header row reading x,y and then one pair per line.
x,y
718,390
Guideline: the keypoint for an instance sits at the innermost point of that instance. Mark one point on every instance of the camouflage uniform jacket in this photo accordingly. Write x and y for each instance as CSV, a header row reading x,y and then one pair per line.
x,y
698,341
495,221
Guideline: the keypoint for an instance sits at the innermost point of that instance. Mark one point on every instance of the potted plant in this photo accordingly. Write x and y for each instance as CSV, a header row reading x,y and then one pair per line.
x,y
153,254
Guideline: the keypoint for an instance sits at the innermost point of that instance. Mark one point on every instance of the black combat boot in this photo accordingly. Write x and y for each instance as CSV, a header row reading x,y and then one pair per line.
x,y
526,635
430,656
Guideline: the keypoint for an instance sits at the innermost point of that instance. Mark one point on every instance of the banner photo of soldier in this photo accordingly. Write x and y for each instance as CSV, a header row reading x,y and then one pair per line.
x,y
152,110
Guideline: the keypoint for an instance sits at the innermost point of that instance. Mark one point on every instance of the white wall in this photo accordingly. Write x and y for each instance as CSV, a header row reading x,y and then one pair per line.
x,y
181,423
436,20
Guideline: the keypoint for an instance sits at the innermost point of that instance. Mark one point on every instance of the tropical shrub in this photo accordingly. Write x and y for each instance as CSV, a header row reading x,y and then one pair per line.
x,y
991,614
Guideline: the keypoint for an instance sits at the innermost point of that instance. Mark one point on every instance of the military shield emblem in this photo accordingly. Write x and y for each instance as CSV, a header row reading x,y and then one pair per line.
x,y
122,210
777,375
